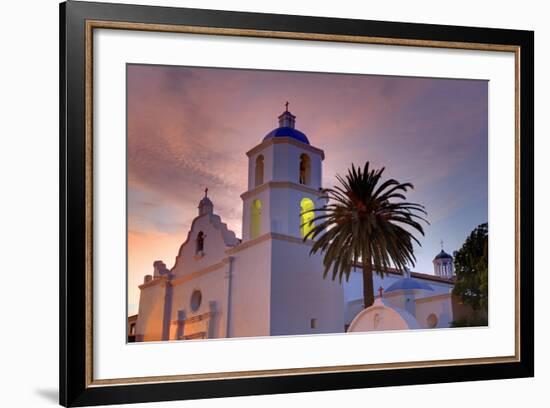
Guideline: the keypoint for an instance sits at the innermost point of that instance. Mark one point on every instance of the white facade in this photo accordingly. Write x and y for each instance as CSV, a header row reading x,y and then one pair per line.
x,y
267,284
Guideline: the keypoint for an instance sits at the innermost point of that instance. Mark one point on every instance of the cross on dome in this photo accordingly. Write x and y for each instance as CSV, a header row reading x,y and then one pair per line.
x,y
287,127
205,205
287,119
442,254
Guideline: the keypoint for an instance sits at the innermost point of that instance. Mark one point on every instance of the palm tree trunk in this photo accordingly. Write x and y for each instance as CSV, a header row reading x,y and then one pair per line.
x,y
368,290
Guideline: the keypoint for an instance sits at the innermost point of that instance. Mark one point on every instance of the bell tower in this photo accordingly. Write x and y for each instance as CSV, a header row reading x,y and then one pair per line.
x,y
443,264
284,182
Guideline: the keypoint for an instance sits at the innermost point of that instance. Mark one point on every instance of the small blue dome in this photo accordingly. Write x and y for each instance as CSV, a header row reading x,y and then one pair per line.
x,y
287,128
443,255
408,284
287,132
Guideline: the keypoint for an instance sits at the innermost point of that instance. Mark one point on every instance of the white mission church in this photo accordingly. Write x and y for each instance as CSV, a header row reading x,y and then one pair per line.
x,y
267,283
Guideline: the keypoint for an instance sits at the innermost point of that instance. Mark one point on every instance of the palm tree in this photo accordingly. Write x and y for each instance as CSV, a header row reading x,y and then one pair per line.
x,y
366,220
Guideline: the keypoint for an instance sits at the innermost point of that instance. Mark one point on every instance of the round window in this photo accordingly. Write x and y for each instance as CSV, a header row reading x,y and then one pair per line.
x,y
196,298
432,321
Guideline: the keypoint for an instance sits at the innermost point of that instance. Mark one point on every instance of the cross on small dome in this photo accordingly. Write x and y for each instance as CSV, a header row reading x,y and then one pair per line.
x,y
287,119
205,205
287,127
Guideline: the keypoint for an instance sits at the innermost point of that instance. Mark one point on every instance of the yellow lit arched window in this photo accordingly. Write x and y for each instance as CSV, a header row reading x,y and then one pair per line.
x,y
259,173
255,218
306,216
305,169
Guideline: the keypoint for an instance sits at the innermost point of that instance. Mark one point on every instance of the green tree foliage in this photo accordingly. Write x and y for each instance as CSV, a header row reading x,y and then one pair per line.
x,y
472,321
366,220
471,268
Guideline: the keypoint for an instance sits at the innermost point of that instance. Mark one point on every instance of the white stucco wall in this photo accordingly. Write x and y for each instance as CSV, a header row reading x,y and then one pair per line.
x,y
250,289
440,306
150,321
299,293
406,299
211,285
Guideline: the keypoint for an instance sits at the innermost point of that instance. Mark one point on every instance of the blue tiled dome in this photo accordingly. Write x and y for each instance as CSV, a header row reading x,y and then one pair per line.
x,y
287,132
287,128
408,284
443,255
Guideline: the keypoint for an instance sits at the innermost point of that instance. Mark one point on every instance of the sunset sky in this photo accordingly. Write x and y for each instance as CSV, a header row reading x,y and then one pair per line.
x,y
189,128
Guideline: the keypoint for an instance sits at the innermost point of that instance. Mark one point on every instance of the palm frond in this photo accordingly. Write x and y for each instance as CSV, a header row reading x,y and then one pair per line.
x,y
366,219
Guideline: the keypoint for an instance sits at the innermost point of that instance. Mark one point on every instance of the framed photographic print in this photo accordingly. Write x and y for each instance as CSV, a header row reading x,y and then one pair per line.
x,y
255,203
